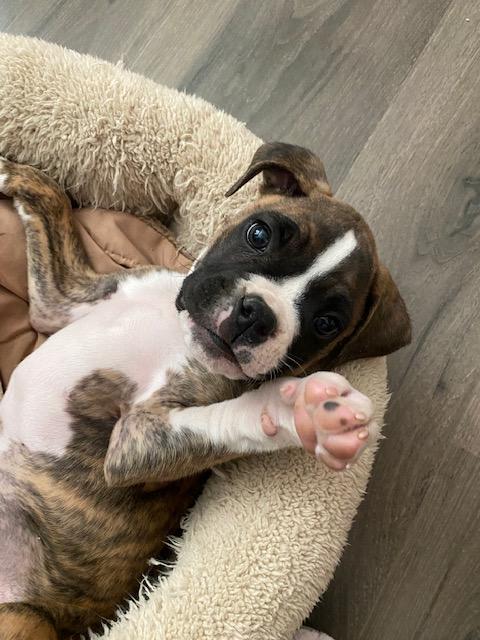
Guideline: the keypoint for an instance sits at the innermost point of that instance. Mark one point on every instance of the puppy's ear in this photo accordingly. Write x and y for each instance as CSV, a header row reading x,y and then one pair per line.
x,y
287,169
385,326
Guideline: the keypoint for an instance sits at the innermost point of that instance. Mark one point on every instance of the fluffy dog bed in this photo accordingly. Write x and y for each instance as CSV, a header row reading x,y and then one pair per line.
x,y
264,538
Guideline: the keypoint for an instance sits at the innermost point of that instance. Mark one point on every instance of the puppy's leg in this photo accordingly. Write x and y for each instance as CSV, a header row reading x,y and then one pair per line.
x,y
154,441
61,283
20,621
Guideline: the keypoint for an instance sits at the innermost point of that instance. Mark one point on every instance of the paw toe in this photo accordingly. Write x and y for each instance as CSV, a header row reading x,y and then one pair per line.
x,y
344,446
316,391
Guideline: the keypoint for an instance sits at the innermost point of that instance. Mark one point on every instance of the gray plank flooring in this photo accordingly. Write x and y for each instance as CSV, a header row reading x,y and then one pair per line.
x,y
388,93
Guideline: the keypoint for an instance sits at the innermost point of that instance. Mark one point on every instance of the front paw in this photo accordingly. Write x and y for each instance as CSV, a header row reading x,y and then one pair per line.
x,y
27,184
333,420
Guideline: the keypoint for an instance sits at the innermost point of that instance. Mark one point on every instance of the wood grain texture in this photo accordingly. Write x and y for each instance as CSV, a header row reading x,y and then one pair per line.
x,y
388,92
413,181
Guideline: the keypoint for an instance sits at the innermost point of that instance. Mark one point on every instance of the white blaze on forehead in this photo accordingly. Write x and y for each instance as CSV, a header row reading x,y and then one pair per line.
x,y
294,287
283,295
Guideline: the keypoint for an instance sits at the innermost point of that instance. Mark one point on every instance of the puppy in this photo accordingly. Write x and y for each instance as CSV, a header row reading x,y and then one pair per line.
x,y
151,378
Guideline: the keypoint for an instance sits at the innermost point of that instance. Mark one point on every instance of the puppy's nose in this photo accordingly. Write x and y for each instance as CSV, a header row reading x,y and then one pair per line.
x,y
255,321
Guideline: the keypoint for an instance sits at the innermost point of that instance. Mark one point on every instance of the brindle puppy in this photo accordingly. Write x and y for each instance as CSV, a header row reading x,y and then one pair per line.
x,y
152,378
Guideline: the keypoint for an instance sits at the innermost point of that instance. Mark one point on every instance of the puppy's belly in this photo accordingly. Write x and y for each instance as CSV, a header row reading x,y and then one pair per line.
x,y
137,335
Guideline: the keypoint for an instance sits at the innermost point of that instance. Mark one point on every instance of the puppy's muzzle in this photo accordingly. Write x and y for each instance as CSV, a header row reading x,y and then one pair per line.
x,y
251,323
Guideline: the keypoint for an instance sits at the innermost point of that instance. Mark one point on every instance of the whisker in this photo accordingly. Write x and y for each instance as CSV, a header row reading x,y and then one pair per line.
x,y
297,364
284,363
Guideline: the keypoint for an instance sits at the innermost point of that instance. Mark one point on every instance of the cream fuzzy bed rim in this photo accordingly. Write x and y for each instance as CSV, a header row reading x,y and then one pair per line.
x,y
264,538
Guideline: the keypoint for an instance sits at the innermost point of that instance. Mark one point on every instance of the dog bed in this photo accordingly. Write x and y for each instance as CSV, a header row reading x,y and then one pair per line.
x,y
263,540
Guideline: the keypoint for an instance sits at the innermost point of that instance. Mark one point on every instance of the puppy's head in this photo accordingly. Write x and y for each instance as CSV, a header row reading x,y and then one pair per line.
x,y
295,283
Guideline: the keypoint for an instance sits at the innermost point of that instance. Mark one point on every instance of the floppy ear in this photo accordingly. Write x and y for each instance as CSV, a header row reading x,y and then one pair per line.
x,y
386,325
287,169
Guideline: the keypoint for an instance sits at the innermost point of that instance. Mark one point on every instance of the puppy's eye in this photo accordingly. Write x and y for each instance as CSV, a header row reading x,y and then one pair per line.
x,y
327,326
258,235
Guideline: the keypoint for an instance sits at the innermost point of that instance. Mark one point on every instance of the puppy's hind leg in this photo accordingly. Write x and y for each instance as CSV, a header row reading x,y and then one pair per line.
x,y
61,283
20,621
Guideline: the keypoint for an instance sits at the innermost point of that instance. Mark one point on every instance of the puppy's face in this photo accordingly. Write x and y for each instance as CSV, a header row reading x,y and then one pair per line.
x,y
295,284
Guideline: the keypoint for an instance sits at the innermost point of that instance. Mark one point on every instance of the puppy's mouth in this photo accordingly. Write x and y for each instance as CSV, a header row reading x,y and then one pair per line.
x,y
214,343
180,302
229,341
215,352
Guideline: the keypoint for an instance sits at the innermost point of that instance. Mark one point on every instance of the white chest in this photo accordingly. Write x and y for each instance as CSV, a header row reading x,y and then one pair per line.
x,y
136,332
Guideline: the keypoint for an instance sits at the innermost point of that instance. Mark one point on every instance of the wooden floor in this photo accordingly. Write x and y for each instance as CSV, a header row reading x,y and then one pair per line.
x,y
388,93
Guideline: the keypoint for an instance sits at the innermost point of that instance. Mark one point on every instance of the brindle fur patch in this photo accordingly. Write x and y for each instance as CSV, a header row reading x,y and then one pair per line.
x,y
59,275
95,540
22,622
143,447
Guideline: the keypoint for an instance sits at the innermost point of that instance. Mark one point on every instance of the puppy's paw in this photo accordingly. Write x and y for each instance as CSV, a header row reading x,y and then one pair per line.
x,y
27,185
333,420
15,180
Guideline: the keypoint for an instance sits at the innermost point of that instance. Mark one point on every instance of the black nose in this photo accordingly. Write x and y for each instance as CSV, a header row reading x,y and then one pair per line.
x,y
254,320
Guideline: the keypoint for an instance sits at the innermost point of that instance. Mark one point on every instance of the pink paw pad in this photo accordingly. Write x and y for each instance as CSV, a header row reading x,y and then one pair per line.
x,y
337,415
332,419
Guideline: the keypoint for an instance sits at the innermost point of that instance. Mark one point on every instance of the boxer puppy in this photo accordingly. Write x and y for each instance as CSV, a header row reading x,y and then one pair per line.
x,y
151,378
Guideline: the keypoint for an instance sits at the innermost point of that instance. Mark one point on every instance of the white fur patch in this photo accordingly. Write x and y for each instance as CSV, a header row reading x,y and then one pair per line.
x,y
3,176
242,416
294,287
131,286
270,353
138,336
148,283
24,216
